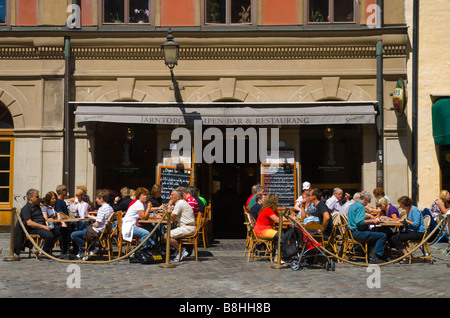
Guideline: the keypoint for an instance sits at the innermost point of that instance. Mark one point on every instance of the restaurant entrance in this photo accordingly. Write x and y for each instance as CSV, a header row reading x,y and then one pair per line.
x,y
228,180
232,184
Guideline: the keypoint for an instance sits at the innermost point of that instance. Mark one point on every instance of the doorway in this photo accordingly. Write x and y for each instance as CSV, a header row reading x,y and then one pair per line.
x,y
232,185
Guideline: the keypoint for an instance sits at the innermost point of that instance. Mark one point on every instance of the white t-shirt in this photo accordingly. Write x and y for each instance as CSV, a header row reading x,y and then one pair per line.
x,y
130,219
82,209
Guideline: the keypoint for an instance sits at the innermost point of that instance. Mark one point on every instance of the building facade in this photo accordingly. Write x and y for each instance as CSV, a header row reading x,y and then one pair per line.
x,y
89,101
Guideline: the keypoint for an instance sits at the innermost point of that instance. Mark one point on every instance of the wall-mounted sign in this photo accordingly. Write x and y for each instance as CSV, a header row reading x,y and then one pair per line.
x,y
399,97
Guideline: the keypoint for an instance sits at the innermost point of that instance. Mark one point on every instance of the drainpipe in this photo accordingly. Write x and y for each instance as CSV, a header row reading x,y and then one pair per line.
x,y
380,117
380,99
414,102
66,160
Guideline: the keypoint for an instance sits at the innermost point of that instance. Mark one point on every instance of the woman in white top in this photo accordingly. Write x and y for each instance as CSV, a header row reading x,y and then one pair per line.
x,y
138,210
82,210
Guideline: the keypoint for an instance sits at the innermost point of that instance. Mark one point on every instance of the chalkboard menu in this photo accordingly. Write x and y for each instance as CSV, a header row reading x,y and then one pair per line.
x,y
171,178
280,179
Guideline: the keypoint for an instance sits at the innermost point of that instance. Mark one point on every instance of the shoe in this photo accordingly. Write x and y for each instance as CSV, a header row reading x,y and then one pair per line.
x,y
90,253
175,259
184,254
276,261
404,261
375,259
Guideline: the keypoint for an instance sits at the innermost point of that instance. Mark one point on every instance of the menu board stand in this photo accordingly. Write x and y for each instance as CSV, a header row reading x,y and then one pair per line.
x,y
280,179
171,178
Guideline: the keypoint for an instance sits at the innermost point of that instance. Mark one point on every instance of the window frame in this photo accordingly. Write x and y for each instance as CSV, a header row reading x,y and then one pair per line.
x,y
7,14
228,23
356,15
126,23
7,135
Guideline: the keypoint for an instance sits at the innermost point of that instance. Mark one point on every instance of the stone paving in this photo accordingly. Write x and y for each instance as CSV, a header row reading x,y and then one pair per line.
x,y
222,272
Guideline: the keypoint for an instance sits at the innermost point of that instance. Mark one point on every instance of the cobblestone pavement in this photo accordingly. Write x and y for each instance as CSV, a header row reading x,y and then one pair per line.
x,y
221,272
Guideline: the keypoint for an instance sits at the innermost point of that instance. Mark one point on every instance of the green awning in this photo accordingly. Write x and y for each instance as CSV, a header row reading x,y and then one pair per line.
x,y
440,112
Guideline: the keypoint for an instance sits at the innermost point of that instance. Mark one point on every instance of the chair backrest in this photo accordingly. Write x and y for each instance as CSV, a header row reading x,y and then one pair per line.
x,y
426,222
312,226
207,213
118,229
252,220
108,226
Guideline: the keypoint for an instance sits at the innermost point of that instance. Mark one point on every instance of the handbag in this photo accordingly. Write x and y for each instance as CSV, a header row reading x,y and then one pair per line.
x,y
91,234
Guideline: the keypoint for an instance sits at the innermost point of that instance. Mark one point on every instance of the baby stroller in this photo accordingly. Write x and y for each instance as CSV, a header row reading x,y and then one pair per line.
x,y
301,248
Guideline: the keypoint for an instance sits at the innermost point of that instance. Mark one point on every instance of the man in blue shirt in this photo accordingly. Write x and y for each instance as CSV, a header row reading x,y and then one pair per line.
x,y
358,222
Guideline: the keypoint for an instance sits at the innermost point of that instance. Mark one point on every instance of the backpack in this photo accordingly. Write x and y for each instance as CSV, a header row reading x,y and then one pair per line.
x,y
289,244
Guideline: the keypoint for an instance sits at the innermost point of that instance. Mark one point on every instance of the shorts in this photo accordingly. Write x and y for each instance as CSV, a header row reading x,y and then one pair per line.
x,y
266,234
182,231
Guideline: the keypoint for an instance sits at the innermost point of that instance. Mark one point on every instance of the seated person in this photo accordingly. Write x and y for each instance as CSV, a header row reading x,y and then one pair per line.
x,y
264,227
358,222
415,227
31,215
254,211
121,203
59,229
138,210
188,196
259,190
103,214
387,210
183,213
156,199
441,205
322,212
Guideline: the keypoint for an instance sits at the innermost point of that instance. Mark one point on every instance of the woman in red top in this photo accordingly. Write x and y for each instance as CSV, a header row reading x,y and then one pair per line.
x,y
267,217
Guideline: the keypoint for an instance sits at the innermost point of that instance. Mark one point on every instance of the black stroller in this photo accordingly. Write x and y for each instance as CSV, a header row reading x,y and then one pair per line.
x,y
300,247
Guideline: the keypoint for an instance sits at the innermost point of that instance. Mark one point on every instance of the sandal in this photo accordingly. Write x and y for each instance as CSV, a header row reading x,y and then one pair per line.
x,y
404,261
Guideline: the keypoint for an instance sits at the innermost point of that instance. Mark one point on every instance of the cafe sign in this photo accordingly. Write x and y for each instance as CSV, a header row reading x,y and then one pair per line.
x,y
399,98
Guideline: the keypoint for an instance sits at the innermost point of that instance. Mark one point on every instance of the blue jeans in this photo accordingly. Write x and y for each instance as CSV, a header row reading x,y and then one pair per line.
x,y
378,237
77,238
143,233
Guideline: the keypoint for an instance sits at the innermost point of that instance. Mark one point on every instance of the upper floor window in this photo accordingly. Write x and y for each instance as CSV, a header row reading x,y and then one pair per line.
x,y
331,11
2,11
126,11
228,11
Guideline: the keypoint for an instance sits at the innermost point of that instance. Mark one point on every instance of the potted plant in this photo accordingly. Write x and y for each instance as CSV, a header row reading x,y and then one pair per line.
x,y
141,15
115,18
213,12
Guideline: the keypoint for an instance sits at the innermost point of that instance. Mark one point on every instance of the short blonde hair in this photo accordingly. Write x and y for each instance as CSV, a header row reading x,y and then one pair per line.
x,y
443,195
383,201
125,192
156,188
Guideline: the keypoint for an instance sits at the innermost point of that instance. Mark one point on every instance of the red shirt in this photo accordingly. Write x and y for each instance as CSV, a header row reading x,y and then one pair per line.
x,y
194,205
264,221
